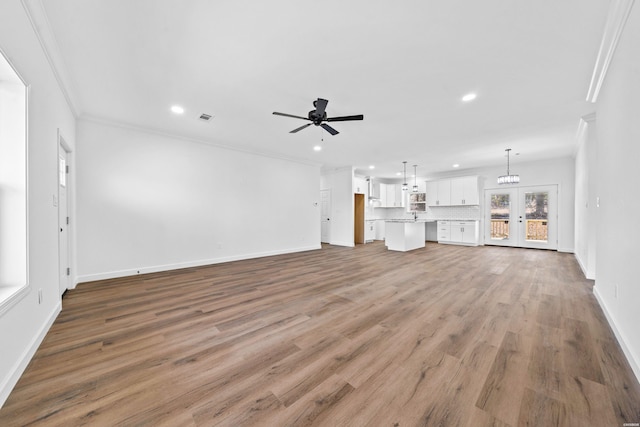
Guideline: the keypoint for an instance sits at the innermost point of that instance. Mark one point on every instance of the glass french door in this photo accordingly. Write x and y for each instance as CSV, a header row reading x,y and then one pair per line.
x,y
525,217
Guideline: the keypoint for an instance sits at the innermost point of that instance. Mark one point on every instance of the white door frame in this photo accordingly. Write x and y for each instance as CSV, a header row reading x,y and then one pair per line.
x,y
325,216
65,229
517,221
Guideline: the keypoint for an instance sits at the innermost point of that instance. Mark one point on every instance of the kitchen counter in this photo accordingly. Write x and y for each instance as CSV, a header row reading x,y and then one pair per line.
x,y
404,235
411,220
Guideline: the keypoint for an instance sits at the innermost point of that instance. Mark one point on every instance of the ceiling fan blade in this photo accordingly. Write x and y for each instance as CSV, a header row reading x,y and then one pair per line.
x,y
345,118
300,128
329,129
290,115
321,105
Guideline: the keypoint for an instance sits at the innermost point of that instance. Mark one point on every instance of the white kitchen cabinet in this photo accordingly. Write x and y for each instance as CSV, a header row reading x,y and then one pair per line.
x,y
464,191
383,195
461,233
395,196
391,196
369,230
359,185
453,192
444,231
439,192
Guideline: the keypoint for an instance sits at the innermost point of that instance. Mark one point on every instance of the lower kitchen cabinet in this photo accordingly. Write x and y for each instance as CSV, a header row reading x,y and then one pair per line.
x,y
458,232
369,231
444,231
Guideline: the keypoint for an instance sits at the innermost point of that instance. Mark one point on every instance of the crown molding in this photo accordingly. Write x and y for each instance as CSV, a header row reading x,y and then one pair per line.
x,y
591,117
42,28
159,132
616,19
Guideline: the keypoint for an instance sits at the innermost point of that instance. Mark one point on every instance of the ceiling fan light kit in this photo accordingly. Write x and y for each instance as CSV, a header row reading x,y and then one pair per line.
x,y
318,117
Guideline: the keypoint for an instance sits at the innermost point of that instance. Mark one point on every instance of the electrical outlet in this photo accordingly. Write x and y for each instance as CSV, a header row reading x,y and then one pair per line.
x,y
40,296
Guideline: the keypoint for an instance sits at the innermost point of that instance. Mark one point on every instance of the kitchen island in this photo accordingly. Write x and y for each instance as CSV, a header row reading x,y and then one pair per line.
x,y
404,235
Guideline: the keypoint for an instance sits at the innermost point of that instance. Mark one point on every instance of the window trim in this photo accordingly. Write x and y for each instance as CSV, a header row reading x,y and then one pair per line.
x,y
15,293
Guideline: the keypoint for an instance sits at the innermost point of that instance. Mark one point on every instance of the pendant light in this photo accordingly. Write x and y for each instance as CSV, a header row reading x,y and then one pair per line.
x,y
405,186
508,178
415,178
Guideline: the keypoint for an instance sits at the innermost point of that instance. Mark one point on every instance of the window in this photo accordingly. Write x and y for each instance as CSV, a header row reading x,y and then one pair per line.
x,y
500,214
13,185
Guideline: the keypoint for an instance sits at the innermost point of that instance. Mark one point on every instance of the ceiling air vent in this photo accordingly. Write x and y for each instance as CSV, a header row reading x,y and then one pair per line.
x,y
205,117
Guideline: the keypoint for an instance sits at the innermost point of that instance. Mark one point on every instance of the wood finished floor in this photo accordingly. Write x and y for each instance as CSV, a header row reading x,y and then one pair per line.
x,y
445,336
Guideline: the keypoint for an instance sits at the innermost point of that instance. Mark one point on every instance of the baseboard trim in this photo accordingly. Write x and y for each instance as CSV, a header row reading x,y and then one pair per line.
x,y
635,364
18,369
587,274
565,250
582,267
176,266
347,244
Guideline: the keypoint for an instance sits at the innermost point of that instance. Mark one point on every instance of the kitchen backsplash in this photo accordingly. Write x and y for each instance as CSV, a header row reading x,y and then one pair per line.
x,y
436,212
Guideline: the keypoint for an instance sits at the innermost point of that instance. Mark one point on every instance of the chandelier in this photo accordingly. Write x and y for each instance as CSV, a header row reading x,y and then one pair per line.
x,y
508,178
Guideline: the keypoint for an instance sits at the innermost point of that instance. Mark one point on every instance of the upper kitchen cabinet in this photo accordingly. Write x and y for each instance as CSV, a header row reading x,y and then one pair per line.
x,y
395,196
359,185
464,191
439,192
391,196
453,192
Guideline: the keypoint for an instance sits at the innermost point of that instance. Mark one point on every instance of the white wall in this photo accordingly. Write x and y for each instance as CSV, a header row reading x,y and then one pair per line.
x,y
585,198
618,177
23,326
340,182
151,202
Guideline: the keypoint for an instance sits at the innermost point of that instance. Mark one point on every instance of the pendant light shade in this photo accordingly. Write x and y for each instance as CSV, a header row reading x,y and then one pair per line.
x,y
405,186
508,178
415,178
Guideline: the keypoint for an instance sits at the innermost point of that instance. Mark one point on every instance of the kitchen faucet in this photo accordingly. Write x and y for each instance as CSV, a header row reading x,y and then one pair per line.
x,y
415,215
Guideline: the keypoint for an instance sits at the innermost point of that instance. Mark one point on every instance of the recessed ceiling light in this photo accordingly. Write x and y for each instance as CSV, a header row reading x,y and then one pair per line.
x,y
456,165
469,97
317,148
398,173
177,109
372,167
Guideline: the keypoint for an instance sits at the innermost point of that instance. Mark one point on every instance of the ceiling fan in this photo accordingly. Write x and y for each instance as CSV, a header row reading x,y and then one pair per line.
x,y
319,116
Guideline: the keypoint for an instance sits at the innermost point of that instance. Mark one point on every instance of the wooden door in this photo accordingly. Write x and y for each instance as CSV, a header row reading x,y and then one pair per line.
x,y
358,218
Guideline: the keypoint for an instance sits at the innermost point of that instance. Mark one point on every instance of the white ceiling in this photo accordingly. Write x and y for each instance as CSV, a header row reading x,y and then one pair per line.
x,y
405,65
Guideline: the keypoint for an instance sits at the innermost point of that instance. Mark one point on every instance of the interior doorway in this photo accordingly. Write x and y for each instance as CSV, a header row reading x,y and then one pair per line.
x,y
325,216
64,222
524,217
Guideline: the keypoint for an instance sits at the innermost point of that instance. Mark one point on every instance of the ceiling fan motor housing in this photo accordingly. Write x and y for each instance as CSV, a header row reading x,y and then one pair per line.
x,y
315,118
